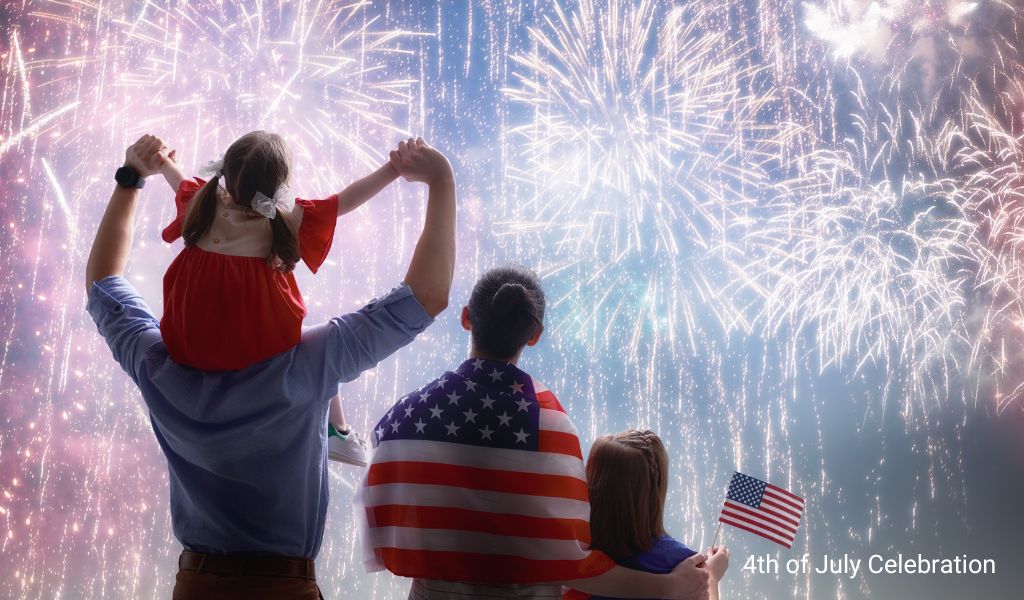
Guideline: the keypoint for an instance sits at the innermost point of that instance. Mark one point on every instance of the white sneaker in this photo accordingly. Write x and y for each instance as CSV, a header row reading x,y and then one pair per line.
x,y
346,448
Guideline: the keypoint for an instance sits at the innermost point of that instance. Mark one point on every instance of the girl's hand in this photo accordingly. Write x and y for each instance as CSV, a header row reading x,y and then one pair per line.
x,y
718,562
416,161
145,155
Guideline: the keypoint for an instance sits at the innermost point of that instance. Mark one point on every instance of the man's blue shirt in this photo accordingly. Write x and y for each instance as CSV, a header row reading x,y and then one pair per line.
x,y
246,450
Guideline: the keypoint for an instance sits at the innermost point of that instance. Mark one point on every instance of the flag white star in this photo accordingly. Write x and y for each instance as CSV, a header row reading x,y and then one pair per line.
x,y
523,404
408,411
419,425
452,428
485,433
379,432
470,416
470,386
390,412
521,436
453,398
488,401
435,412
517,388
423,397
440,382
496,375
394,427
504,418
478,364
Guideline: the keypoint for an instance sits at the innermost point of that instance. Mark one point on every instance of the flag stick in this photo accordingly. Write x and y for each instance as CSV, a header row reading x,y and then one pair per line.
x,y
718,531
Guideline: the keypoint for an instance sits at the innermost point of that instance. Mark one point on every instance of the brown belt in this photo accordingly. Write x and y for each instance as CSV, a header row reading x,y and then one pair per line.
x,y
247,564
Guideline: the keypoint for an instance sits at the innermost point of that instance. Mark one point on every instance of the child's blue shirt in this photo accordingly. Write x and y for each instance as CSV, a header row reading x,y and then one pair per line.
x,y
661,558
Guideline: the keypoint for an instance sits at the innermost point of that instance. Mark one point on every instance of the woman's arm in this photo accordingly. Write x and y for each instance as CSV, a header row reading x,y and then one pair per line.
x,y
433,261
113,242
687,581
358,192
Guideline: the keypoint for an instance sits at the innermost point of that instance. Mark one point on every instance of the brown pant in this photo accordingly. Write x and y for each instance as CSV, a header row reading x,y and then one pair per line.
x,y
191,585
220,584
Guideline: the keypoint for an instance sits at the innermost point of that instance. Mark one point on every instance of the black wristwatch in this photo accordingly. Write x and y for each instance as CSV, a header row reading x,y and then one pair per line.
x,y
127,177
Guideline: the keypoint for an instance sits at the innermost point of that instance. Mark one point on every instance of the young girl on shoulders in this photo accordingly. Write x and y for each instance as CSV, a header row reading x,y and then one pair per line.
x,y
627,477
230,297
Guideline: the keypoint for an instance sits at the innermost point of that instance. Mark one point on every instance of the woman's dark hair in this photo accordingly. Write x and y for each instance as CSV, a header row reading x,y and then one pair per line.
x,y
506,309
256,162
627,477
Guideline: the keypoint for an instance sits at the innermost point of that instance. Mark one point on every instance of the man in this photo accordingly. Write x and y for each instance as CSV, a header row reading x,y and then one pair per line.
x,y
245,449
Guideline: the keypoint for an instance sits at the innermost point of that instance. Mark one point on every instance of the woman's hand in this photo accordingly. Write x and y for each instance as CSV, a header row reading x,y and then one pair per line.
x,y
416,161
718,562
145,155
690,579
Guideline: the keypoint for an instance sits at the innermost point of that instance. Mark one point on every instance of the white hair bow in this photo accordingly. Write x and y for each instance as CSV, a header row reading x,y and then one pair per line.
x,y
267,206
214,168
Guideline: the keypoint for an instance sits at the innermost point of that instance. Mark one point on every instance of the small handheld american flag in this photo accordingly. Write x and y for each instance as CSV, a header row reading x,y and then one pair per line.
x,y
762,509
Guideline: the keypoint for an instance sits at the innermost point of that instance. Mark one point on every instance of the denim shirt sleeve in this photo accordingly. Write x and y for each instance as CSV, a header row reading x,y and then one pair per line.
x,y
339,350
125,322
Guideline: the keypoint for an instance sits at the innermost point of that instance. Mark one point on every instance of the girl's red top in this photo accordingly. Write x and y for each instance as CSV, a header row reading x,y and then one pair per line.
x,y
225,307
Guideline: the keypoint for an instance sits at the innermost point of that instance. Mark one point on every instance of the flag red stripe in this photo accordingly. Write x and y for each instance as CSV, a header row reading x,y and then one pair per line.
x,y
512,482
547,400
559,442
770,513
769,502
743,515
438,517
798,500
767,511
755,532
784,524
482,568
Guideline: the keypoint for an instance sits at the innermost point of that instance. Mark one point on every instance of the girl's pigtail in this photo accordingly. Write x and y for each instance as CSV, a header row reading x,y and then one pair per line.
x,y
201,212
284,247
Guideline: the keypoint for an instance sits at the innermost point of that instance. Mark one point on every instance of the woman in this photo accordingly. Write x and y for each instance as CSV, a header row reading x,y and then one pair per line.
x,y
477,487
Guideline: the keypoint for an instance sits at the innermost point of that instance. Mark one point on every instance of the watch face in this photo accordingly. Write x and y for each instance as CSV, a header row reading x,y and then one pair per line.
x,y
127,177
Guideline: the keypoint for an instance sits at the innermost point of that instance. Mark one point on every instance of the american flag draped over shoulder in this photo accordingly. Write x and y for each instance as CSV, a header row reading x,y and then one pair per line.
x,y
478,477
762,509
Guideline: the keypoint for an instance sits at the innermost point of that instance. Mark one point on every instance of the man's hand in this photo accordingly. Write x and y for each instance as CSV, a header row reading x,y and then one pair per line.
x,y
718,562
690,579
416,161
146,155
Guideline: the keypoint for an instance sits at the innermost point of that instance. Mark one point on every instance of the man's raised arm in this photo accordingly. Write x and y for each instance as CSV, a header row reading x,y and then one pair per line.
x,y
433,261
113,242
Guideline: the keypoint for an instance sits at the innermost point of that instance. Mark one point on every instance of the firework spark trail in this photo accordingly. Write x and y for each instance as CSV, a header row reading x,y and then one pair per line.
x,y
714,229
631,141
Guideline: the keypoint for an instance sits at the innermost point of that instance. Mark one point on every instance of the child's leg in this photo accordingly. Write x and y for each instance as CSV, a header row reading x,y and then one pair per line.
x,y
336,415
343,444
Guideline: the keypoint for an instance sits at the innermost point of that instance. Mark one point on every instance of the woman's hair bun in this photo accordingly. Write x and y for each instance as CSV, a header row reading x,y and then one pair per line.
x,y
509,298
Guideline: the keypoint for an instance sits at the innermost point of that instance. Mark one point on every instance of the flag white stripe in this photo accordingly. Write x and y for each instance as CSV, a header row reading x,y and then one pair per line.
x,y
413,538
555,420
413,494
784,499
767,520
787,518
499,459
787,541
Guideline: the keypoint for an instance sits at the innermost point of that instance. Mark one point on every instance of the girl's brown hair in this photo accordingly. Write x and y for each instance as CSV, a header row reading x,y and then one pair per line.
x,y
256,162
627,474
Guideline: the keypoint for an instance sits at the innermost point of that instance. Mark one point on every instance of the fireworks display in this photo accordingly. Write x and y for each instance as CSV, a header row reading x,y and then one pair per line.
x,y
777,232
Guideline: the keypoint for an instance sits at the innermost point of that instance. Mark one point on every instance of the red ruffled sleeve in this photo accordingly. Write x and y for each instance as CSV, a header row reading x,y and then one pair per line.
x,y
186,191
316,231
